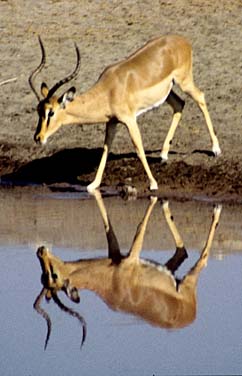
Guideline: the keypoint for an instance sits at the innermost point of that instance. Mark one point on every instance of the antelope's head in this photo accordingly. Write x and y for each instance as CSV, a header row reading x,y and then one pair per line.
x,y
54,275
51,108
55,279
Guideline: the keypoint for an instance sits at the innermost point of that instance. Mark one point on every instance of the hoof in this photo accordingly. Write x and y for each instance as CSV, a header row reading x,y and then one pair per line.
x,y
216,150
92,187
153,186
164,158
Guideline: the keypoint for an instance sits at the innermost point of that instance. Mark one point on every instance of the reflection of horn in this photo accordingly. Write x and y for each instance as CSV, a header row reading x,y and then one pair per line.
x,y
74,314
44,314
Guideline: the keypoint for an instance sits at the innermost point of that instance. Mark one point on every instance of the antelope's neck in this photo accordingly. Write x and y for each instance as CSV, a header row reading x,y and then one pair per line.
x,y
89,108
94,275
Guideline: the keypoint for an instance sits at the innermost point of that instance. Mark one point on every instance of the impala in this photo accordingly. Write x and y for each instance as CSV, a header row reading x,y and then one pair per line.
x,y
129,283
123,91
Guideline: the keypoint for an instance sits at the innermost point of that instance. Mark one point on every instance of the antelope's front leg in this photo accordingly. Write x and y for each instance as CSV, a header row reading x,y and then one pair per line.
x,y
138,144
110,133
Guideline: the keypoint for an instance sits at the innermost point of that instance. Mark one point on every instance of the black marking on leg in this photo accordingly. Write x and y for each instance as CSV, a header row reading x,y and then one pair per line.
x,y
175,102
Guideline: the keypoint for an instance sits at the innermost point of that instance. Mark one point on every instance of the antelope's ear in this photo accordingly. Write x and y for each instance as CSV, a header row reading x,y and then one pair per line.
x,y
74,295
48,295
44,90
71,292
67,97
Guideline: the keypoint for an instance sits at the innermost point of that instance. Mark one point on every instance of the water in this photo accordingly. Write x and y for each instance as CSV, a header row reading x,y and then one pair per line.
x,y
116,343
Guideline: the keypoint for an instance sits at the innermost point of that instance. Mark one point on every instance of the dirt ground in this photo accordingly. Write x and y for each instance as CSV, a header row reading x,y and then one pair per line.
x,y
105,32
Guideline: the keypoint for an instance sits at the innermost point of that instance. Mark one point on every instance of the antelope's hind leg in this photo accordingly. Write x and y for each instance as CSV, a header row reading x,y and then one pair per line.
x,y
193,275
136,247
136,138
198,96
177,105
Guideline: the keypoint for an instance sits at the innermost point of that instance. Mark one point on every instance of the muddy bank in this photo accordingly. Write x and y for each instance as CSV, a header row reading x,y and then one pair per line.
x,y
73,169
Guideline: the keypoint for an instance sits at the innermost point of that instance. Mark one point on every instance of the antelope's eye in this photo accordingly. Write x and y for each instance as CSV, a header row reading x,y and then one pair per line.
x,y
54,276
51,113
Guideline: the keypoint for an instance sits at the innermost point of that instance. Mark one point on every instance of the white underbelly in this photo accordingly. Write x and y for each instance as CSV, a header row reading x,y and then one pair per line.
x,y
161,269
155,103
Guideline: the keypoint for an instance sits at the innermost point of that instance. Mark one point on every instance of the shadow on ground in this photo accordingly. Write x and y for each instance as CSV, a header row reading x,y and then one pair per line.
x,y
66,165
63,166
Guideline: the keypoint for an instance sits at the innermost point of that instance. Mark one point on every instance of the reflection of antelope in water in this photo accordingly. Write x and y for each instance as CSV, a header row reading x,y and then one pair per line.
x,y
128,283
